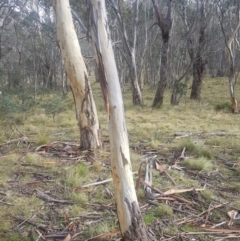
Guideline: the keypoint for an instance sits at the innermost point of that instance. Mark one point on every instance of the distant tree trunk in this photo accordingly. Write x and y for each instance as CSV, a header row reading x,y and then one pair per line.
x,y
165,25
130,219
231,59
77,73
198,62
131,49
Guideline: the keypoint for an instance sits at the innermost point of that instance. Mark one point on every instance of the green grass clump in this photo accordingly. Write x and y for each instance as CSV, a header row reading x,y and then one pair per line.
x,y
198,164
170,230
76,175
79,197
189,145
207,195
225,106
204,153
164,211
149,218
42,138
194,149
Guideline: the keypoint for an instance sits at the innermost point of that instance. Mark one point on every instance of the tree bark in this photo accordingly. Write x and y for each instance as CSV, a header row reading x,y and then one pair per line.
x,y
198,62
130,219
86,112
165,25
162,83
231,60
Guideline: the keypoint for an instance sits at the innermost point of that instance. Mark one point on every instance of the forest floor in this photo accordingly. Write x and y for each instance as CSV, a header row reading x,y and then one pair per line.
x,y
50,190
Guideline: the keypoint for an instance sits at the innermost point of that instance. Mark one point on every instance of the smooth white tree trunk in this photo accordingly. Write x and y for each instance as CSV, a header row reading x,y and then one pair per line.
x,y
129,216
78,76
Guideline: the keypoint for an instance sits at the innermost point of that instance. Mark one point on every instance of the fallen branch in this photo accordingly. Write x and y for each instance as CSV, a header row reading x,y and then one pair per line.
x,y
175,191
22,139
100,182
162,169
48,198
97,183
218,230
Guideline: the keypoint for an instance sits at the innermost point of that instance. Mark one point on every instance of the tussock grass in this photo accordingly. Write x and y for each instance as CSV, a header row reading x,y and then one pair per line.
x,y
149,218
198,164
164,211
76,175
42,138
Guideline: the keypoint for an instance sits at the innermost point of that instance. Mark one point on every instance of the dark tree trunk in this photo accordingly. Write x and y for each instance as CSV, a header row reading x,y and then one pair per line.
x,y
198,62
165,25
198,73
162,83
136,92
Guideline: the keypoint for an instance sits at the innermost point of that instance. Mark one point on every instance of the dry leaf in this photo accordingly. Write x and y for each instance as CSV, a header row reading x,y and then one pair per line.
x,y
159,167
67,238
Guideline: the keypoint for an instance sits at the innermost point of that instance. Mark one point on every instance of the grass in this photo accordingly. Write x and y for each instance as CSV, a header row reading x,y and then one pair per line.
x,y
198,164
148,129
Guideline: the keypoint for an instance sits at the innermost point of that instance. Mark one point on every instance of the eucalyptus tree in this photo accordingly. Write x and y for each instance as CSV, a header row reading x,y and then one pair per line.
x,y
196,55
86,112
226,8
165,24
130,40
130,219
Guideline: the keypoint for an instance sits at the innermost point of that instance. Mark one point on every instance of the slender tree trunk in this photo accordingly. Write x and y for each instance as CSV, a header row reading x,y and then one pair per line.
x,y
129,215
131,49
162,83
231,59
198,74
198,64
77,73
165,25
136,92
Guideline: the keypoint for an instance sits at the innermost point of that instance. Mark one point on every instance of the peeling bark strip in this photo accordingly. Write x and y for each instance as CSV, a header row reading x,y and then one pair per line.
x,y
124,159
86,112
129,216
103,80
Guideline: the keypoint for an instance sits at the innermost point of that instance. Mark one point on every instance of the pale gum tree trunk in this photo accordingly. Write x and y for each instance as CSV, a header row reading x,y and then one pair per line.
x,y
86,112
228,43
130,219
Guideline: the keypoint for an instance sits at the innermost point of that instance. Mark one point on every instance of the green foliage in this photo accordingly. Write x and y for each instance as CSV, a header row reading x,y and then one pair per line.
x,y
76,175
42,138
54,106
8,105
149,218
196,150
225,106
190,146
79,197
207,195
164,211
26,98
198,164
